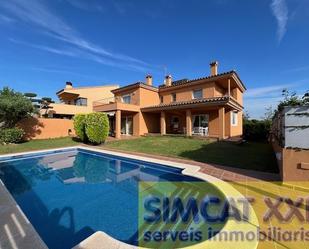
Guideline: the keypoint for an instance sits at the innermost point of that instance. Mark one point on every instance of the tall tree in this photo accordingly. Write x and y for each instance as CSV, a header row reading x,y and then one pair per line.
x,y
14,106
45,105
306,98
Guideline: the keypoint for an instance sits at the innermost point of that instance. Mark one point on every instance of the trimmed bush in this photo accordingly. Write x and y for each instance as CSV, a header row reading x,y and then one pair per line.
x,y
79,126
97,127
256,130
11,135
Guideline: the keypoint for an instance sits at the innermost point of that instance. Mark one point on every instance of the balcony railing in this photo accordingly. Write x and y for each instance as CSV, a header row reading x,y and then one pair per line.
x,y
105,101
60,108
112,100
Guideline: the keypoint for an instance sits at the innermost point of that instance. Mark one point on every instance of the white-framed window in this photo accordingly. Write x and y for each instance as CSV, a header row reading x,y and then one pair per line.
x,y
126,99
174,97
234,118
197,94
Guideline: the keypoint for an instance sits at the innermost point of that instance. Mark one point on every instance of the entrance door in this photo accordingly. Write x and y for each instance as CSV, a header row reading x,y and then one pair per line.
x,y
127,125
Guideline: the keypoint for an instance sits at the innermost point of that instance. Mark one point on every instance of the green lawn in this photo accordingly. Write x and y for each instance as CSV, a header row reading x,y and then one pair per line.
x,y
38,145
251,155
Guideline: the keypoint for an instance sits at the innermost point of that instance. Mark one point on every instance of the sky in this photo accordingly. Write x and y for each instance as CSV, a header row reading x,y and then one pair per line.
x,y
44,43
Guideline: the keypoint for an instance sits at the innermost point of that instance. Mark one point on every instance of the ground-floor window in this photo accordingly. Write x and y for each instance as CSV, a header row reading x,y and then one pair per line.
x,y
234,118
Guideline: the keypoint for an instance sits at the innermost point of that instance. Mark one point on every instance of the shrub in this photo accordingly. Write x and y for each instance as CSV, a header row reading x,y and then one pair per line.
x,y
256,129
79,126
11,135
97,127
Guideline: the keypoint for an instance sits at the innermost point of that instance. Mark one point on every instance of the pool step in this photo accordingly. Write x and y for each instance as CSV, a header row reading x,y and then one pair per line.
x,y
101,240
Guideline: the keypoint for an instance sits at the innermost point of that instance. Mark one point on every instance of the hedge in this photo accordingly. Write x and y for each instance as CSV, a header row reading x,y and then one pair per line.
x,y
256,129
11,135
92,127
97,127
79,126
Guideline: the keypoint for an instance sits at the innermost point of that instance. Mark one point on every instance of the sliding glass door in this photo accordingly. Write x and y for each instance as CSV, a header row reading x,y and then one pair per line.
x,y
200,124
127,125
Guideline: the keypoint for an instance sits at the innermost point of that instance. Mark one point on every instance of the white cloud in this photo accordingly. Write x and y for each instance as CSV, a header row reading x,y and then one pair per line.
x,y
280,11
86,5
257,106
297,69
261,91
40,16
256,100
81,54
6,19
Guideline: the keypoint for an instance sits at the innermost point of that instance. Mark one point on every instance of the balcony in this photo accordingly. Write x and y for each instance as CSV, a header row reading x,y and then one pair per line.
x,y
115,103
65,109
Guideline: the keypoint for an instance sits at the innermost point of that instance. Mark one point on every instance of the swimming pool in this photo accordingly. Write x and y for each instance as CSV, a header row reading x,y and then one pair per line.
x,y
69,194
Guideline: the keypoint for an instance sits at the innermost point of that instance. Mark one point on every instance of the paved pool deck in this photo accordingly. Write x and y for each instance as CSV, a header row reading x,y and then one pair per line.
x,y
224,173
16,232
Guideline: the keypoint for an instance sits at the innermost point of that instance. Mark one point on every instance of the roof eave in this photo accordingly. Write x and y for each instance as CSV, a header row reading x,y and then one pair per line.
x,y
232,74
135,85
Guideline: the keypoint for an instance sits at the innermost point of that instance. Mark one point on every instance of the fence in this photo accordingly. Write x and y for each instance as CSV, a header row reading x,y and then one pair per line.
x,y
290,141
291,127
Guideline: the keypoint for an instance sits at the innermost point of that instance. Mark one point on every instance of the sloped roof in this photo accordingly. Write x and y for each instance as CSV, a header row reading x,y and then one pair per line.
x,y
135,85
189,102
211,77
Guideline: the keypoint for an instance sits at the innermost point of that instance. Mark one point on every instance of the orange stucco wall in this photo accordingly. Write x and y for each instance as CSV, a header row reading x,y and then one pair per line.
x,y
134,93
238,95
141,97
148,97
210,89
41,128
291,163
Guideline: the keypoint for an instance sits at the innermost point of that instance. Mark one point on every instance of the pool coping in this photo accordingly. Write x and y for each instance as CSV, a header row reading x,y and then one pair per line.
x,y
187,169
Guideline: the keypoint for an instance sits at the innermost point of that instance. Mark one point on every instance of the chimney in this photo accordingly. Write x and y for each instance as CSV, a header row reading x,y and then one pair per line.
x,y
213,68
168,80
149,80
68,85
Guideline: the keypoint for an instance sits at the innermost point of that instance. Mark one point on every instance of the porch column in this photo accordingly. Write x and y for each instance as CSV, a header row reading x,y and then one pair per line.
x,y
221,113
162,123
118,124
188,123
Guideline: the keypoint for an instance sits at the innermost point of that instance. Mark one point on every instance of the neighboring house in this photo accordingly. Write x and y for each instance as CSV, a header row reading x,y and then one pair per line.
x,y
209,106
289,137
75,100
291,127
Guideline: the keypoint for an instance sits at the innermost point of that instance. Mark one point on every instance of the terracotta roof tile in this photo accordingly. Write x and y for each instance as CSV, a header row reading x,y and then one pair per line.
x,y
186,81
193,101
137,84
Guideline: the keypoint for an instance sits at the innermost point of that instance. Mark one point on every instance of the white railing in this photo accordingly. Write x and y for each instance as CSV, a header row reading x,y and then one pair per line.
x,y
105,101
200,131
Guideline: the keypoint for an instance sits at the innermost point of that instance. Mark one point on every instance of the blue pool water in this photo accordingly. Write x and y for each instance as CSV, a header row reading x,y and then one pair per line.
x,y
69,195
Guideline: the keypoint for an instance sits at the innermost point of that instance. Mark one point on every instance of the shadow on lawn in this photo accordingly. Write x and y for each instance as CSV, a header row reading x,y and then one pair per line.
x,y
257,156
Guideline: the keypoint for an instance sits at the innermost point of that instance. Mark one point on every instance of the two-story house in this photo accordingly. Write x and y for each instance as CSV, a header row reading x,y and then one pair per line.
x,y
76,100
209,106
